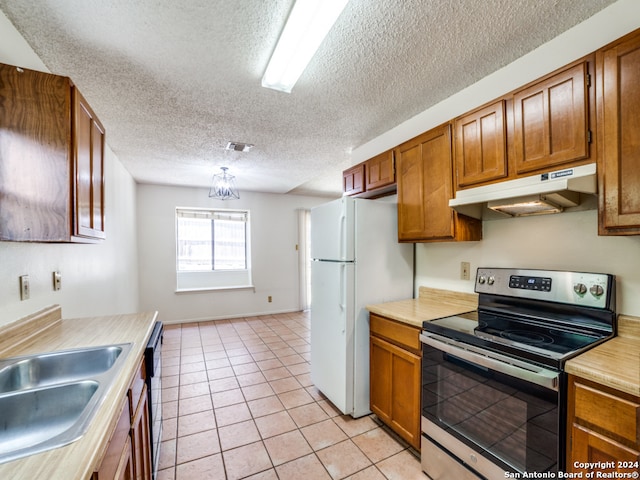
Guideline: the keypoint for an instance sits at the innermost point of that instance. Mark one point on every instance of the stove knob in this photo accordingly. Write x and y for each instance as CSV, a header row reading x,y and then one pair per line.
x,y
491,280
580,288
596,290
482,279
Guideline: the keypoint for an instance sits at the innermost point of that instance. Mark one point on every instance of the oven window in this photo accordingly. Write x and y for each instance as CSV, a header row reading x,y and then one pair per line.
x,y
512,422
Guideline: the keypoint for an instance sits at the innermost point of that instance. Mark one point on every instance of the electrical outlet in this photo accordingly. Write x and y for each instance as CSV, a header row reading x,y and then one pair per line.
x,y
25,291
269,299
465,271
57,281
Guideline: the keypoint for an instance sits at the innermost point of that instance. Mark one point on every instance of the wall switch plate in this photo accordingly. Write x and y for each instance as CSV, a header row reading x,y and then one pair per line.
x,y
269,299
57,281
465,271
25,290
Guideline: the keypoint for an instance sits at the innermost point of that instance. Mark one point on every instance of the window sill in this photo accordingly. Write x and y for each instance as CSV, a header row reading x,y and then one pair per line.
x,y
213,289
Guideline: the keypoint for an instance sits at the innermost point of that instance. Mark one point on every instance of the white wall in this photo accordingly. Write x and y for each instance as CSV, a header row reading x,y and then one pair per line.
x,y
96,279
274,230
567,241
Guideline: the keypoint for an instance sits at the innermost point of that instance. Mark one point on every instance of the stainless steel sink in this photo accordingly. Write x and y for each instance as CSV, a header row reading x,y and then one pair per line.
x,y
56,367
48,400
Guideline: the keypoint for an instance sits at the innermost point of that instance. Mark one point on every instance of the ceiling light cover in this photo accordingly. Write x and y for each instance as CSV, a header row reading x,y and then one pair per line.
x,y
223,186
307,25
239,146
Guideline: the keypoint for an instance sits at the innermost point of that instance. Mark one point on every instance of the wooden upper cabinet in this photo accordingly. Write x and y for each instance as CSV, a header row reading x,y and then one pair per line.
x,y
88,147
551,121
618,117
52,160
425,185
481,145
353,180
35,131
372,178
380,171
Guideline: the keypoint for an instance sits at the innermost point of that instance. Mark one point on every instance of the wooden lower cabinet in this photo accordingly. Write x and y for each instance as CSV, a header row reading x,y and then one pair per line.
x,y
140,434
141,439
128,455
117,462
395,377
603,427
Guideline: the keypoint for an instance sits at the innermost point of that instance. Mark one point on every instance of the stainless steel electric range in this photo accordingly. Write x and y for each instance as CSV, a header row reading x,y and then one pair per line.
x,y
493,381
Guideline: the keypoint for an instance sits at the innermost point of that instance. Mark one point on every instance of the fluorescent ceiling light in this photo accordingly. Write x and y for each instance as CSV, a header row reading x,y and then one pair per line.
x,y
308,24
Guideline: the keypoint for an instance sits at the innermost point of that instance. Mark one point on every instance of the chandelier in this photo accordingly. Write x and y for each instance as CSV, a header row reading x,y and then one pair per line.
x,y
223,186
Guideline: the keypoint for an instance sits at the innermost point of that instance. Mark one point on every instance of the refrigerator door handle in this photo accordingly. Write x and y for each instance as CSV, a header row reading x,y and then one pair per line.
x,y
343,299
343,234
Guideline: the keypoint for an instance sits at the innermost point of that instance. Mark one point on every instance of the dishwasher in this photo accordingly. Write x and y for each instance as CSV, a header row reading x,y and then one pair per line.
x,y
153,364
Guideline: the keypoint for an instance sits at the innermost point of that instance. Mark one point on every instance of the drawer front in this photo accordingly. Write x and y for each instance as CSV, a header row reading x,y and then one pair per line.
x,y
607,411
396,332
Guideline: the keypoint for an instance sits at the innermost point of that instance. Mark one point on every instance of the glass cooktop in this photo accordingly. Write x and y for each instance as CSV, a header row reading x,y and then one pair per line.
x,y
538,338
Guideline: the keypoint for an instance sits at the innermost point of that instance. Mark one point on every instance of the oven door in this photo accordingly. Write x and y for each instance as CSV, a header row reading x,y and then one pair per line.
x,y
493,413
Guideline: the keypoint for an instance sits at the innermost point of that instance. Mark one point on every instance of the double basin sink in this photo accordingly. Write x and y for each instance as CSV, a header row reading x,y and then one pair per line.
x,y
48,400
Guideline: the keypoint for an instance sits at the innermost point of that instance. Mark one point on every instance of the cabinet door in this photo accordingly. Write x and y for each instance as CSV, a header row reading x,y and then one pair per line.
x,y
380,171
395,388
602,424
141,439
125,468
116,462
425,186
380,379
89,170
618,107
591,447
551,121
35,131
353,180
481,145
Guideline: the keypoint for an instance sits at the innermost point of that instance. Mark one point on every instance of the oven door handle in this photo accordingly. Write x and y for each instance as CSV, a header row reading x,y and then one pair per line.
x,y
500,363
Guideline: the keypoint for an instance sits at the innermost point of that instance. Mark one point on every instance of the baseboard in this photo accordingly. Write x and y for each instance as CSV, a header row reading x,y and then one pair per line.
x,y
225,317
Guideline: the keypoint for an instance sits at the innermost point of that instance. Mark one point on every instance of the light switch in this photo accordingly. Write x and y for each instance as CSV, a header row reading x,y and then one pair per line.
x,y
57,281
25,290
465,271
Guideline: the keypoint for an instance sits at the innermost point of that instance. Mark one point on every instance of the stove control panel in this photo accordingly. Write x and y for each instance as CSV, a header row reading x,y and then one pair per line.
x,y
542,284
578,288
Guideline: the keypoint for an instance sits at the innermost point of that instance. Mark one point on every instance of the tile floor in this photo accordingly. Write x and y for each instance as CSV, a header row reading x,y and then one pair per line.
x,y
238,402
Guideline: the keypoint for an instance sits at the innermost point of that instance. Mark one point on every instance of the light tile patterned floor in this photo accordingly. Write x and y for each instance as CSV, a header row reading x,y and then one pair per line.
x,y
238,402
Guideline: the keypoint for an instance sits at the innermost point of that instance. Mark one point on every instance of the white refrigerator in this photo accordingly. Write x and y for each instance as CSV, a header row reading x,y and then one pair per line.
x,y
356,261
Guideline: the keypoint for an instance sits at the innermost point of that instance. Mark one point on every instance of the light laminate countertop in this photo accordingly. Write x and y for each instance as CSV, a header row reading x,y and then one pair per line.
x,y
431,304
46,331
614,363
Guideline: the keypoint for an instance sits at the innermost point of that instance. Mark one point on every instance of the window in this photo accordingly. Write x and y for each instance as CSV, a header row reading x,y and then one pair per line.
x,y
212,248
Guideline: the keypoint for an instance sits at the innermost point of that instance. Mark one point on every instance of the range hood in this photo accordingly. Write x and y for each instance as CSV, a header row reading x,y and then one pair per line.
x,y
549,192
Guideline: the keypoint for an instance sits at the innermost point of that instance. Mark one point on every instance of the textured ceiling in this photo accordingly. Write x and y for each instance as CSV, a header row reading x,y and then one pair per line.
x,y
174,81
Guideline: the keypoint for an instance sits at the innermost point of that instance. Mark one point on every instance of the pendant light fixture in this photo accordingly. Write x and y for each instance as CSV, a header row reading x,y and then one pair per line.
x,y
223,186
307,26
